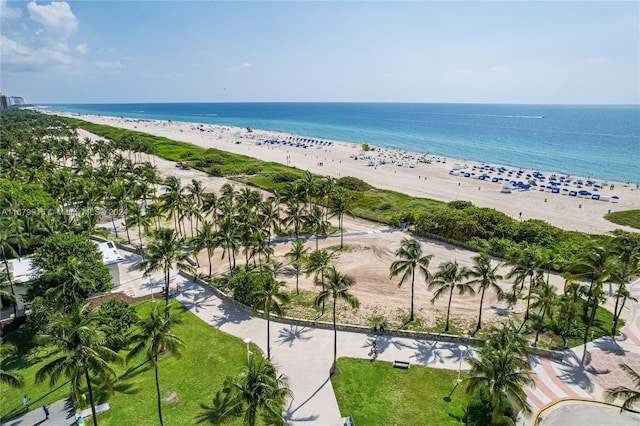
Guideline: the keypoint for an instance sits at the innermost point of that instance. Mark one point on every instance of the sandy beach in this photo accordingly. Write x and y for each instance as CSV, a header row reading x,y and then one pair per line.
x,y
371,251
430,180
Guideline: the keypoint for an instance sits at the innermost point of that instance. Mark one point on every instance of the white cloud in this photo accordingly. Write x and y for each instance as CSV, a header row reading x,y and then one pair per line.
x,y
56,18
7,12
82,48
238,67
19,57
108,65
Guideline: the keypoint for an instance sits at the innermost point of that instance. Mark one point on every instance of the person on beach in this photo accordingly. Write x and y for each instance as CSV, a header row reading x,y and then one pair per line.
x,y
25,401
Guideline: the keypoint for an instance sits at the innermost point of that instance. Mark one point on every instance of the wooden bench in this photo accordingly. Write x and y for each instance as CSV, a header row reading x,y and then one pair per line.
x,y
401,364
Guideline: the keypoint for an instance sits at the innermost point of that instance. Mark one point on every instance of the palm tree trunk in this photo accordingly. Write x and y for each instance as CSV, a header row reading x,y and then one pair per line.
x,y
479,326
93,407
341,231
616,317
446,328
615,314
335,339
266,313
126,228
586,331
535,342
115,229
297,277
413,277
13,292
158,393
210,255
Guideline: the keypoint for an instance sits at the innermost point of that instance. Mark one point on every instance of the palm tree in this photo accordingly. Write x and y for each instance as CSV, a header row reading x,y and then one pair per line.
x,y
227,238
164,251
206,237
294,216
269,298
318,264
155,337
631,396
501,370
411,259
449,278
525,263
82,347
7,377
7,250
339,206
597,264
316,223
298,256
258,392
337,288
545,298
486,278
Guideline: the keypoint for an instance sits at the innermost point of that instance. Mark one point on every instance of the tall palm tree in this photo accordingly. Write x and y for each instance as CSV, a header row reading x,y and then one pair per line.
x,y
631,396
526,263
501,369
82,348
486,278
163,252
318,263
269,298
206,237
597,264
339,206
545,298
6,250
155,336
294,216
411,260
258,392
228,238
337,288
298,256
12,379
449,278
316,223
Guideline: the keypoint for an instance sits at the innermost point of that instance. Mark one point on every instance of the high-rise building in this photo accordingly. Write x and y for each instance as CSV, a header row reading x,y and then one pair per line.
x,y
4,104
16,100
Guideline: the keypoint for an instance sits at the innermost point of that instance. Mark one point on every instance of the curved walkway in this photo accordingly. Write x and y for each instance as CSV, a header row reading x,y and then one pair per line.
x,y
305,354
568,379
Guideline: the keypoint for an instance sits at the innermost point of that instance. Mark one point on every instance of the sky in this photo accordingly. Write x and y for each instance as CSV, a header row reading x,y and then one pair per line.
x,y
545,52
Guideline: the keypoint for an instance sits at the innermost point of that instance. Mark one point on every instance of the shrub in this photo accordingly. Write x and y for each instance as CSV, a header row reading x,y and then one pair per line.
x,y
285,177
353,184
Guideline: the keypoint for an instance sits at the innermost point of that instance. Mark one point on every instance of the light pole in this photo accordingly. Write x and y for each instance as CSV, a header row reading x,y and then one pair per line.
x,y
463,349
247,340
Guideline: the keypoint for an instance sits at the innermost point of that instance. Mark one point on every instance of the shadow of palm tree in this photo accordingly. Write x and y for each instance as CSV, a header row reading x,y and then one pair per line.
x,y
609,346
572,372
292,333
290,411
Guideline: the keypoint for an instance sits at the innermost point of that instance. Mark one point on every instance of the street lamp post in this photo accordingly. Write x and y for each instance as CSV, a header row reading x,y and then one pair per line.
x,y
247,340
463,349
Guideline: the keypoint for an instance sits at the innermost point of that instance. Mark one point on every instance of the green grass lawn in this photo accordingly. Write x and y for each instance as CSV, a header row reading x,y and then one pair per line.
x,y
210,356
626,218
375,393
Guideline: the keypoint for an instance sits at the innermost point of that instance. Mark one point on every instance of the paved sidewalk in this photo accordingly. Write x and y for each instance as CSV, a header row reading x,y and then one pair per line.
x,y
305,354
568,379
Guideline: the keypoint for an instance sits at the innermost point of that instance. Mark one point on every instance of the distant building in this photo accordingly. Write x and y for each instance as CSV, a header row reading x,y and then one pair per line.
x,y
4,103
16,100
22,271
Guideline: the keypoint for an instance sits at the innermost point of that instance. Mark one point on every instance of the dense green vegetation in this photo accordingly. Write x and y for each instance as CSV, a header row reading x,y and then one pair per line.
x,y
481,228
209,357
627,218
109,180
375,393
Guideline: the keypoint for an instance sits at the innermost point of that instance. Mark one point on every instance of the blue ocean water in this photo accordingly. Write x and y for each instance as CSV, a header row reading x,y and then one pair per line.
x,y
581,140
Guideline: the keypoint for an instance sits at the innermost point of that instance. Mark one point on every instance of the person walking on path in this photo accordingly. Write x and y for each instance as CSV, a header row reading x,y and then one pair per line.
x,y
45,408
25,401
